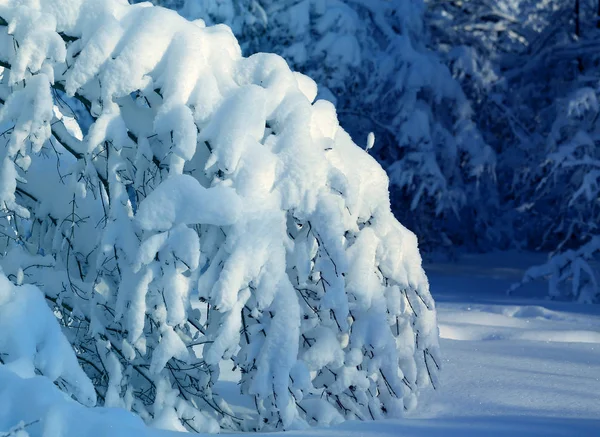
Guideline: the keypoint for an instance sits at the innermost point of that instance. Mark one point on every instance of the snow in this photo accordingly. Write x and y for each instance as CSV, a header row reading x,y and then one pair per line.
x,y
519,360
170,346
182,200
38,402
32,341
513,365
212,213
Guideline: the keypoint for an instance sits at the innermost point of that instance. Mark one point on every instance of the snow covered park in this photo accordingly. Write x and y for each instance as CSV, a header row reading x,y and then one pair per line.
x,y
299,217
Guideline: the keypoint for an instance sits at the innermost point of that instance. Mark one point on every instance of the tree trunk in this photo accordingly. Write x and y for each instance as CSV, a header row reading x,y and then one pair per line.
x,y
578,30
577,19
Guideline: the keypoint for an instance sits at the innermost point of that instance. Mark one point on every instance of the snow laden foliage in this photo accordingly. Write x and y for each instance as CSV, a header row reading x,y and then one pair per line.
x,y
558,203
370,58
182,207
570,188
531,69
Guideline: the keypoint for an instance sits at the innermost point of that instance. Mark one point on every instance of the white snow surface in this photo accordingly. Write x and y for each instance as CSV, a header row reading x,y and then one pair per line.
x,y
182,200
512,366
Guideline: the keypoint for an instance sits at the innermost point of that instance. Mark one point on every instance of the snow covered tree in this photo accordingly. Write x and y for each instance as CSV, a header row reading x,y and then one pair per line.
x,y
530,67
181,207
567,200
554,194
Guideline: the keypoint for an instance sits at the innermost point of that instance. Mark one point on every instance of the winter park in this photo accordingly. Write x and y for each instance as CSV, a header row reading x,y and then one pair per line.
x,y
305,218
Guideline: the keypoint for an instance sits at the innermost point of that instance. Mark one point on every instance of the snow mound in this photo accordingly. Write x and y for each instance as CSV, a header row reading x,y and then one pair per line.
x,y
32,341
516,322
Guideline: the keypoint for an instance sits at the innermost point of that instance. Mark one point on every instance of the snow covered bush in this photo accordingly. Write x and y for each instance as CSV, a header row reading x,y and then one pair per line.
x,y
181,207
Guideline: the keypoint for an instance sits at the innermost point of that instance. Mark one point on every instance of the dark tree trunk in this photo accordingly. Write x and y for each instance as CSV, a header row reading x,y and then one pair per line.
x,y
578,30
577,19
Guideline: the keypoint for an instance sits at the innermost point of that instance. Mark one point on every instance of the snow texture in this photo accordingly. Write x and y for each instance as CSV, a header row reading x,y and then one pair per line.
x,y
32,341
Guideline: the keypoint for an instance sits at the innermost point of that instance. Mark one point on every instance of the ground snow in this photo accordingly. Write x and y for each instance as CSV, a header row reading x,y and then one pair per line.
x,y
513,365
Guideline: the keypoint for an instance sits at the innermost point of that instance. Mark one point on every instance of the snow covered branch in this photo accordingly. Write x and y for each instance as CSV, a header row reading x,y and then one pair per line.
x,y
181,206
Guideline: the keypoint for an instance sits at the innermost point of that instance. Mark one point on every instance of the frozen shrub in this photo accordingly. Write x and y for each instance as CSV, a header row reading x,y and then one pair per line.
x,y
181,207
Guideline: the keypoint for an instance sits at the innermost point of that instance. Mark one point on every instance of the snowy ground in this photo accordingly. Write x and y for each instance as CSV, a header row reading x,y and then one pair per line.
x,y
513,366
